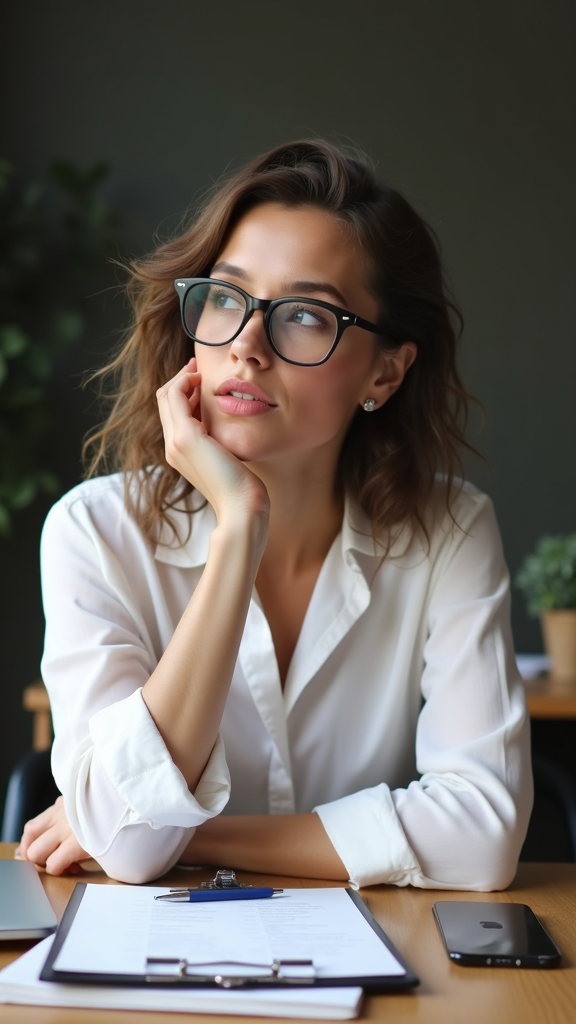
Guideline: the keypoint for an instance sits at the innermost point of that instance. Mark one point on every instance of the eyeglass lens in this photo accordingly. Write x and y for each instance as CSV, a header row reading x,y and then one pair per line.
x,y
301,331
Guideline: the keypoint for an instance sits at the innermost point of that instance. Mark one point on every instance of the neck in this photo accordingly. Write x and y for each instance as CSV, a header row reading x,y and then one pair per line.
x,y
305,515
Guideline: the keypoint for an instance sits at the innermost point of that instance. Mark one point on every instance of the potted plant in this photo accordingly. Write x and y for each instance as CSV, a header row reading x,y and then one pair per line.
x,y
547,578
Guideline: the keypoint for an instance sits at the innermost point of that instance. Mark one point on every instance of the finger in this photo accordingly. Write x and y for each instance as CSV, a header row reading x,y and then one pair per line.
x,y
189,369
179,410
47,817
34,828
44,846
195,408
178,401
186,386
66,857
193,398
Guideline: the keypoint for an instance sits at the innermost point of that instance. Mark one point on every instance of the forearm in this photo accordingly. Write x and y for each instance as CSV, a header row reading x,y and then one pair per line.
x,y
292,844
187,691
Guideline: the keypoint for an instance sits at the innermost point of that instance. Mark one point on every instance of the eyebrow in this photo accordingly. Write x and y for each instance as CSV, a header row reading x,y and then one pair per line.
x,y
294,288
229,268
306,287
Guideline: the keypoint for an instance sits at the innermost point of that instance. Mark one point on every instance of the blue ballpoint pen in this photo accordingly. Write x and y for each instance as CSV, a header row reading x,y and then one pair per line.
x,y
209,895
223,887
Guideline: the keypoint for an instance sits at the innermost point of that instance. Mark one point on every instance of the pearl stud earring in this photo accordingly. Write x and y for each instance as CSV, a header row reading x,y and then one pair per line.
x,y
370,404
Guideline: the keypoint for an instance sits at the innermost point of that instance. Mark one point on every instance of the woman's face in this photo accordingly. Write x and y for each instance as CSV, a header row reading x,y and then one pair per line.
x,y
298,411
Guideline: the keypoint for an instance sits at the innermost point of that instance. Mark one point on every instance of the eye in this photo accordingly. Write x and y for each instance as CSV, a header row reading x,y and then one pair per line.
x,y
226,300
303,317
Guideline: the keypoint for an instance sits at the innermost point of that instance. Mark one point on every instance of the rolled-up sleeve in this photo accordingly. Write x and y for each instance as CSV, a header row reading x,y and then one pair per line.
x,y
127,802
461,824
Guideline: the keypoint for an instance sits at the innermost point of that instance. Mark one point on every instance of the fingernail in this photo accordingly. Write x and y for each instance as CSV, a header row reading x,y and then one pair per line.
x,y
18,851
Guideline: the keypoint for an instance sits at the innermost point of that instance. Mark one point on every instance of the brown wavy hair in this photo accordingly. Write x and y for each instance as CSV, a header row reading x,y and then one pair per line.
x,y
392,457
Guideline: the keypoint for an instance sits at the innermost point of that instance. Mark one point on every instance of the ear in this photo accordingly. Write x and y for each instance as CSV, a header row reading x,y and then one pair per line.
x,y
390,368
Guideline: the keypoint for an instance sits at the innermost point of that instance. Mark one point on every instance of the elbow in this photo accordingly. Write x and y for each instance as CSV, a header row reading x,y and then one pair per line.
x,y
501,856
493,857
139,854
475,851
488,864
504,844
130,876
497,872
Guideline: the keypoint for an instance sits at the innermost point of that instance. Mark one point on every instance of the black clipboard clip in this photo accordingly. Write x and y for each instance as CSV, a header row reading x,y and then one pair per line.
x,y
284,972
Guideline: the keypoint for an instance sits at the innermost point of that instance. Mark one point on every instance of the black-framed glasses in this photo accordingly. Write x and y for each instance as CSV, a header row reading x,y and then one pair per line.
x,y
301,331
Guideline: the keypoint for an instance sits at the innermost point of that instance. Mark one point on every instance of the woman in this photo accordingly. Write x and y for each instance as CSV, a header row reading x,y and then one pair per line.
x,y
279,638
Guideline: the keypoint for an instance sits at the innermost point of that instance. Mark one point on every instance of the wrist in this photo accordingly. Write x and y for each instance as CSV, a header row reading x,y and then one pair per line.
x,y
243,533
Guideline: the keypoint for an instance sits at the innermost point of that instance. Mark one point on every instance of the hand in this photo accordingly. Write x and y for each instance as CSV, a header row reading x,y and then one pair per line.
x,y
229,486
49,841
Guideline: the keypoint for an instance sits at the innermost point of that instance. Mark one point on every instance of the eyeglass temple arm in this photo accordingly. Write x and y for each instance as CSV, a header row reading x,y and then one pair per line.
x,y
366,325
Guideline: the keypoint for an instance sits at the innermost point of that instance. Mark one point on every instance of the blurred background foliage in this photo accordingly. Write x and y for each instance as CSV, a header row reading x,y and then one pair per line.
x,y
55,232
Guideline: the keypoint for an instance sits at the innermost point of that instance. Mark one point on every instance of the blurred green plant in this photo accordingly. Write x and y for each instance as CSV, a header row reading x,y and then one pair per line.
x,y
55,233
547,577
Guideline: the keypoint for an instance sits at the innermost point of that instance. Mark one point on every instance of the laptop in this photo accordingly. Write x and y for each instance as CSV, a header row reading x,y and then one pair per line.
x,y
25,911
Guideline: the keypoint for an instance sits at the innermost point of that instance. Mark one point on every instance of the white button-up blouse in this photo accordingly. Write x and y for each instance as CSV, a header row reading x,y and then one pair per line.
x,y
402,721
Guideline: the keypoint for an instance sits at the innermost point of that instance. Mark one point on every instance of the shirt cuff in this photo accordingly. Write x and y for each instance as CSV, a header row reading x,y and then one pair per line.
x,y
138,764
366,833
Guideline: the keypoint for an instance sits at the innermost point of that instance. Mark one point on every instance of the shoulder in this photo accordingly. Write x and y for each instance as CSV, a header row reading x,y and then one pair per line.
x,y
465,525
94,509
445,521
467,520
95,513
102,492
465,544
466,505
98,490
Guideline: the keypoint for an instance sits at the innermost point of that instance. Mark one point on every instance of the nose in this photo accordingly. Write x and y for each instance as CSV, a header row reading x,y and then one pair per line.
x,y
252,346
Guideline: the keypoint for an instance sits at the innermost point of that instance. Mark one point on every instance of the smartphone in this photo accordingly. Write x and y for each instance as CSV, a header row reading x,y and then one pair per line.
x,y
494,935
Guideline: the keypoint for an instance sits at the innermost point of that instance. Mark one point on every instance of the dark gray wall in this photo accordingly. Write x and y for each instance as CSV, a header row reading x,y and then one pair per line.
x,y
466,105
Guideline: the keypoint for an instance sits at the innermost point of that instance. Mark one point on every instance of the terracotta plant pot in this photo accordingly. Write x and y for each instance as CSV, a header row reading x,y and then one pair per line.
x,y
559,631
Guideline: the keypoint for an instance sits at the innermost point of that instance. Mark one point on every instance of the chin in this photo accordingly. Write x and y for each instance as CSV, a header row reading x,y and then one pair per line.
x,y
242,447
252,456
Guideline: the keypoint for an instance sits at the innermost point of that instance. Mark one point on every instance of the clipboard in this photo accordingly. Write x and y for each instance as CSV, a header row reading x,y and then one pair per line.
x,y
287,974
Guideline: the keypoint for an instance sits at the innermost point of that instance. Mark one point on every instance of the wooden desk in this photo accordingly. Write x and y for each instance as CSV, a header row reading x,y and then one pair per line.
x,y
551,698
447,994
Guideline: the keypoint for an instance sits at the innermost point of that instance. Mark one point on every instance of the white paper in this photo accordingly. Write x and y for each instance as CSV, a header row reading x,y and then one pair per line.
x,y
116,928
530,666
19,983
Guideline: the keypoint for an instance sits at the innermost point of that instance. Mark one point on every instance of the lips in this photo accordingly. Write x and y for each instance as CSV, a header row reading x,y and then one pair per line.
x,y
244,391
